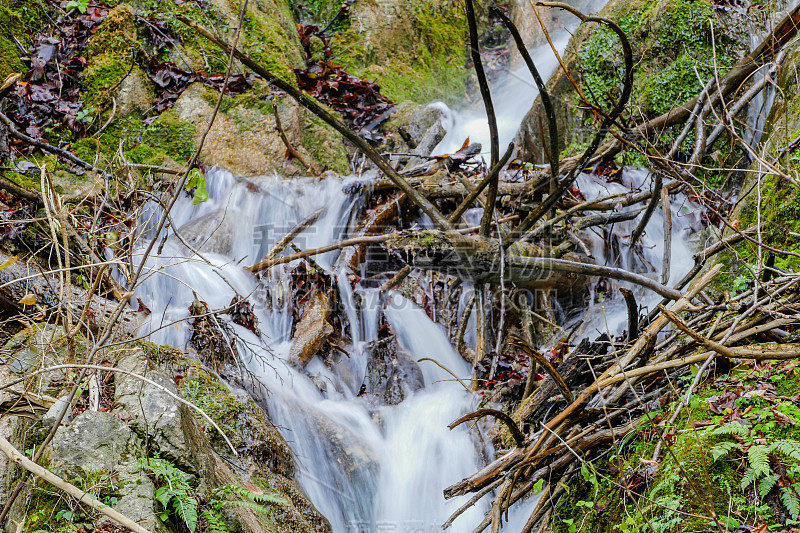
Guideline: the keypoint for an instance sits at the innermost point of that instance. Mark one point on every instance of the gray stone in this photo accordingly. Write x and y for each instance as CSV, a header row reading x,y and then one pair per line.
x,y
94,442
155,415
136,501
53,413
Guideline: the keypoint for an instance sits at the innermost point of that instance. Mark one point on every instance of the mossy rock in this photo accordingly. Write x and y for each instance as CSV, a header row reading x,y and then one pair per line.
x,y
673,58
416,51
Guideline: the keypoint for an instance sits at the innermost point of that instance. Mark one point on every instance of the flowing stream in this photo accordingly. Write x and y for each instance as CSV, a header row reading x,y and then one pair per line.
x,y
365,466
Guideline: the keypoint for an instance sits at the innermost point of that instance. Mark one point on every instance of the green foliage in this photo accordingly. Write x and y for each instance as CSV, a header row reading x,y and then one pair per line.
x,y
175,495
179,501
320,12
197,184
761,448
214,520
81,5
601,67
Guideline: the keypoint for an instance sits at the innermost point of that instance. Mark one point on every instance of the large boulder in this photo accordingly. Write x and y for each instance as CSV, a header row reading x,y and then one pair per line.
x,y
94,442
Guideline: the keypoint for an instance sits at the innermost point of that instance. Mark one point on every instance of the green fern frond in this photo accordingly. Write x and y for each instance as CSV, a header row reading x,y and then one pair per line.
x,y
254,497
749,478
758,457
791,501
727,430
176,492
724,449
766,484
787,447
215,523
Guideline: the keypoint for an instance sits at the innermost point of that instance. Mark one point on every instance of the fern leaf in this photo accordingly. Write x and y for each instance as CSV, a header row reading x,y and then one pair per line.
x,y
186,508
791,501
758,457
766,484
723,449
749,478
215,523
728,429
787,447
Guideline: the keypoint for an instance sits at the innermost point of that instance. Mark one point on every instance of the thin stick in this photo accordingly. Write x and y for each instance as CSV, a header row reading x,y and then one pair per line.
x,y
518,436
440,365
666,260
483,84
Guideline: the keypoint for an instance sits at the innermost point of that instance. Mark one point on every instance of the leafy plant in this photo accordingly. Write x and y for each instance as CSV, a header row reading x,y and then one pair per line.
x,y
759,466
81,5
255,501
175,496
197,183
177,499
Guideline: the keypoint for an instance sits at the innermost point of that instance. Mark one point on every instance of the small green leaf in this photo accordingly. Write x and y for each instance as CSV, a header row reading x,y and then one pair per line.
x,y
197,182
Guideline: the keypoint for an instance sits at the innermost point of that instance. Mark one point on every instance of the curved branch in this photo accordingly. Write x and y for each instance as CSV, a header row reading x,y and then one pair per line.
x,y
633,314
518,436
475,52
561,265
608,121
542,360
648,214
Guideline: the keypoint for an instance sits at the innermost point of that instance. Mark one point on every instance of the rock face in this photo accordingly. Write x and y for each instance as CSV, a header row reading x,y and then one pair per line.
x,y
103,452
155,415
244,138
100,443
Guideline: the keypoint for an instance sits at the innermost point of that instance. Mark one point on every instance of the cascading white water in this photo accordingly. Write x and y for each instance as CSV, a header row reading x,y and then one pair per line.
x,y
366,468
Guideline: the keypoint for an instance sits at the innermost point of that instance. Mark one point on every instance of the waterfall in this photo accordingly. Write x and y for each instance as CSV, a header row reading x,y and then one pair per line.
x,y
366,467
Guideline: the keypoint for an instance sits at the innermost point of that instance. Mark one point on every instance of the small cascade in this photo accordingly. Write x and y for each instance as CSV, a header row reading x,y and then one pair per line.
x,y
366,465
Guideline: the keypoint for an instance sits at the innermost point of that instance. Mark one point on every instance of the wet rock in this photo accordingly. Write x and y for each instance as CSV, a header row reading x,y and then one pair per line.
x,y
154,414
213,233
312,330
392,374
415,129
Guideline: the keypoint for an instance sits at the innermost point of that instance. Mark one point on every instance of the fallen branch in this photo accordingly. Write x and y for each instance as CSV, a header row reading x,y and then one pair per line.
x,y
761,353
539,358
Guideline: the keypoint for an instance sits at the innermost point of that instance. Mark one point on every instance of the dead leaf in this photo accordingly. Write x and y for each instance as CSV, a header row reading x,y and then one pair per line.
x,y
8,262
28,299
